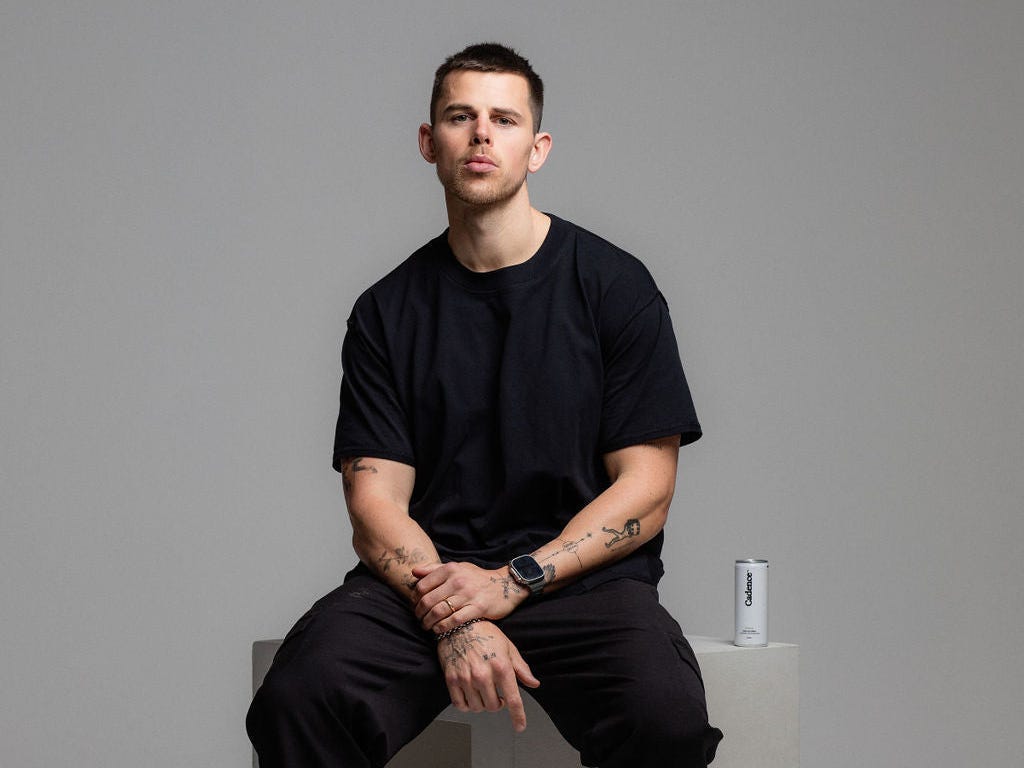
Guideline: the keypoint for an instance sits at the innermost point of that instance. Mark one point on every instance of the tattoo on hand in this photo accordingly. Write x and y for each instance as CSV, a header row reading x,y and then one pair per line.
x,y
629,530
458,646
349,467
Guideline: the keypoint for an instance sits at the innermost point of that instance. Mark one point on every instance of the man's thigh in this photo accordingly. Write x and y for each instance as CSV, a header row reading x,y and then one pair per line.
x,y
613,665
360,648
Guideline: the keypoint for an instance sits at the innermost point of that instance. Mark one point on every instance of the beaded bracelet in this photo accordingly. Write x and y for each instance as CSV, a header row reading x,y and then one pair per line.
x,y
454,630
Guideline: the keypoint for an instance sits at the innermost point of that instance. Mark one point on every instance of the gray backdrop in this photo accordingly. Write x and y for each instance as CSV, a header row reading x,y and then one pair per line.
x,y
193,194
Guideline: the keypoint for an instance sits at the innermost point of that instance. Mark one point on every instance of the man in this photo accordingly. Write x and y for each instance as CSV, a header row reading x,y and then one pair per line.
x,y
512,407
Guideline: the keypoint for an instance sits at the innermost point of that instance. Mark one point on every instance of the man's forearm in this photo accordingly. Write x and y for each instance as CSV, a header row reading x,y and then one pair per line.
x,y
628,514
609,528
391,551
386,539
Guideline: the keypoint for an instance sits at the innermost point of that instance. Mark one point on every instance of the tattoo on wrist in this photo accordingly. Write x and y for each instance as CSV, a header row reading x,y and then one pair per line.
x,y
629,530
410,582
349,467
549,573
457,629
509,586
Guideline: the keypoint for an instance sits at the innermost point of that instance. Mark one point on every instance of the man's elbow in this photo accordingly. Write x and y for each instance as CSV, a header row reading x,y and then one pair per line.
x,y
658,514
662,490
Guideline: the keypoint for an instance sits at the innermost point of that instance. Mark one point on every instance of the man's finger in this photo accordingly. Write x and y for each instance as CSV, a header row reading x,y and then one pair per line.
x,y
433,596
522,670
492,699
458,698
516,710
475,700
419,571
441,618
428,582
461,616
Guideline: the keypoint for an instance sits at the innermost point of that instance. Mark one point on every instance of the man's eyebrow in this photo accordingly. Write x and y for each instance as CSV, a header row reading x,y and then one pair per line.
x,y
507,111
469,108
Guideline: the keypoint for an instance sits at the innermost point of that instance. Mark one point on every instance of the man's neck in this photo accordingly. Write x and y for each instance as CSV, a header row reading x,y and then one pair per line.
x,y
492,237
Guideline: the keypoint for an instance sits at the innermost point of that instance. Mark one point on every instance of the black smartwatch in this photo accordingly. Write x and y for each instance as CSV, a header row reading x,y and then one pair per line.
x,y
527,571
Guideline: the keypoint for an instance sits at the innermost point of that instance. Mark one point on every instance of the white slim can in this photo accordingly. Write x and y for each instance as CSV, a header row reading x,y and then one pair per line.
x,y
751,603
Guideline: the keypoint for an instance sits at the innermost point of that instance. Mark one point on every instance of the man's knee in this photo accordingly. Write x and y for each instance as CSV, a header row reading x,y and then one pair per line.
x,y
654,723
283,698
672,722
294,720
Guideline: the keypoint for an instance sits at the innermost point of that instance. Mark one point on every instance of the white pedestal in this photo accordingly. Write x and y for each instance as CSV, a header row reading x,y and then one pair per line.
x,y
752,694
754,697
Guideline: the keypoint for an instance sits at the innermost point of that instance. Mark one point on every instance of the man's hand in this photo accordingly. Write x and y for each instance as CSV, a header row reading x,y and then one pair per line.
x,y
482,668
450,594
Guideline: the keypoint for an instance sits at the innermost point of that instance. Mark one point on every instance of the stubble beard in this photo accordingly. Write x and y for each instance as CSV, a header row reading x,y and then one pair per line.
x,y
472,190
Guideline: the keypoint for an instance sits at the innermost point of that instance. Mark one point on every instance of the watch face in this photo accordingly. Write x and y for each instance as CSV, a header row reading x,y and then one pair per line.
x,y
526,569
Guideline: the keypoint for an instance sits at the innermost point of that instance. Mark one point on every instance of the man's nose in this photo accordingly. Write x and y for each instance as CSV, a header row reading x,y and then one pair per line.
x,y
482,133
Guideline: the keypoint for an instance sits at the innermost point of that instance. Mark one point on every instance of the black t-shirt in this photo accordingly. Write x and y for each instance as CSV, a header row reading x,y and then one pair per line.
x,y
505,388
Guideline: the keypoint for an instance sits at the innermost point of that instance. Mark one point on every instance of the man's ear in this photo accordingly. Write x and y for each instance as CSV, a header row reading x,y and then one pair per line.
x,y
426,139
539,153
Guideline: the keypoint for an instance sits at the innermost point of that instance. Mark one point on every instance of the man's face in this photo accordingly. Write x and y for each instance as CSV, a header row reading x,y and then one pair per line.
x,y
482,139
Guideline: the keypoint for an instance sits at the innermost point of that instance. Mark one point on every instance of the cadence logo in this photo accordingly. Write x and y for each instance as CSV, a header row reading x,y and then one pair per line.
x,y
750,590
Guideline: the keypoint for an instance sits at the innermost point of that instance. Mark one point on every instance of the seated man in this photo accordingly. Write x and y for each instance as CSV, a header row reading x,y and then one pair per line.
x,y
512,407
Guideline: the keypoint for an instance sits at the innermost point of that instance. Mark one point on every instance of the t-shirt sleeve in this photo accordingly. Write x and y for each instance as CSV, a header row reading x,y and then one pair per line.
x,y
371,420
645,391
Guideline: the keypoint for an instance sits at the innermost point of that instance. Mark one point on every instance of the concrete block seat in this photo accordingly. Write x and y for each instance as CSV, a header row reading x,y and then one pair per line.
x,y
752,694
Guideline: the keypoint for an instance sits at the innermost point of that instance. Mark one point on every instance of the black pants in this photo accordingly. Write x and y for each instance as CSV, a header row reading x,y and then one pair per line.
x,y
357,678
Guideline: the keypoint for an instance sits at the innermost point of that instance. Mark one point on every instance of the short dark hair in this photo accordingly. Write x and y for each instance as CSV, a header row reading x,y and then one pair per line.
x,y
491,57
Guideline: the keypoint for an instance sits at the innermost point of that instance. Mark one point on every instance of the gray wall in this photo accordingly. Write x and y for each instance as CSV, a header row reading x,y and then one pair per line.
x,y
193,194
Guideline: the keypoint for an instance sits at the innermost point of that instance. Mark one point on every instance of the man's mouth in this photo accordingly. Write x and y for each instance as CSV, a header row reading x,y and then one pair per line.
x,y
480,164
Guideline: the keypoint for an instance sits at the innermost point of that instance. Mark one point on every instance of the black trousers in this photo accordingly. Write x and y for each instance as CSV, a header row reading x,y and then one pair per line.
x,y
357,678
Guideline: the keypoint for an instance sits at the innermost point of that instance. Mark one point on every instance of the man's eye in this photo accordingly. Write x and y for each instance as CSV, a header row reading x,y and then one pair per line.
x,y
504,121
460,118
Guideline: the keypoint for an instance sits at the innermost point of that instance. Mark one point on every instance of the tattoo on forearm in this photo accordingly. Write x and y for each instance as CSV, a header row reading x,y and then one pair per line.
x,y
570,547
349,467
629,530
573,547
400,556
508,586
549,573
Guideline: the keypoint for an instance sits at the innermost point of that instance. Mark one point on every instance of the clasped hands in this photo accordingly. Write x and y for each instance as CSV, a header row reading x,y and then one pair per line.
x,y
449,594
482,667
